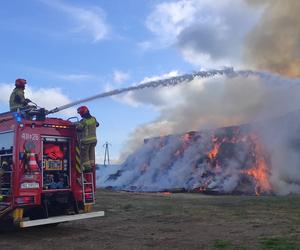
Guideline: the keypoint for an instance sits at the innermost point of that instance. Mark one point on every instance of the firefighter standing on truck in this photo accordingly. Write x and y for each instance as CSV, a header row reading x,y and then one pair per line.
x,y
17,100
86,129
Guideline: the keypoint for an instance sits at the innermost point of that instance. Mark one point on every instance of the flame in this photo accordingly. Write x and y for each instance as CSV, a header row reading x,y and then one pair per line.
x,y
215,150
260,171
204,186
256,167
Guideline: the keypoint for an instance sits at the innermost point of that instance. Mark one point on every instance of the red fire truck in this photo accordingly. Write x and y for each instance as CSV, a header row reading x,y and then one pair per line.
x,y
41,178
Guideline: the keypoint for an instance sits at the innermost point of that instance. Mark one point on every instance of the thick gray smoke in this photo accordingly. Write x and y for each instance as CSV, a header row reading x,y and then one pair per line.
x,y
216,102
223,101
270,41
273,44
283,143
257,158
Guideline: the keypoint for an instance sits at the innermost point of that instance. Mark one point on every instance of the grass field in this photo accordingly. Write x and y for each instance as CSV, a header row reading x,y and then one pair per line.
x,y
173,221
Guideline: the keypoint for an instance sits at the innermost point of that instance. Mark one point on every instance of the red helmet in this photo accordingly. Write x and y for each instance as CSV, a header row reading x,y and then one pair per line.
x,y
83,110
20,82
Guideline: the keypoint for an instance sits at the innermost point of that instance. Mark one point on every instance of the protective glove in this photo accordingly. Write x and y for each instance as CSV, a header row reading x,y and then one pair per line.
x,y
27,100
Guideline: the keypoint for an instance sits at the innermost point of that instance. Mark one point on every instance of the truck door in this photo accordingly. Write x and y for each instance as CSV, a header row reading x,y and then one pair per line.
x,y
6,165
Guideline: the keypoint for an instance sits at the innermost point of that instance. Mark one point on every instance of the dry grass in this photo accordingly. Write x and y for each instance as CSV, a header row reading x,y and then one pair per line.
x,y
176,221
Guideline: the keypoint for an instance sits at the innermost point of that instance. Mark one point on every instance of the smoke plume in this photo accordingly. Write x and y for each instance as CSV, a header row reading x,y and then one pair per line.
x,y
273,44
216,102
257,158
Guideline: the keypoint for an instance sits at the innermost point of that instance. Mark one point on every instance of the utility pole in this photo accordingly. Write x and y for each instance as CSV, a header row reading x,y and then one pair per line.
x,y
106,154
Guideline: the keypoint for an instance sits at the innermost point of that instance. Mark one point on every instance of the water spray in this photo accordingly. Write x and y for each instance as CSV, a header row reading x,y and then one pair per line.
x,y
173,81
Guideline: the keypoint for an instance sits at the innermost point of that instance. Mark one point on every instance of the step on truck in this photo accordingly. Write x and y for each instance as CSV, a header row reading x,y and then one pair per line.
x,y
41,181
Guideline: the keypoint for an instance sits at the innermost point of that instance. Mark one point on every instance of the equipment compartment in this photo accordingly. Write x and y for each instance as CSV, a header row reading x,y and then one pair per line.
x,y
56,163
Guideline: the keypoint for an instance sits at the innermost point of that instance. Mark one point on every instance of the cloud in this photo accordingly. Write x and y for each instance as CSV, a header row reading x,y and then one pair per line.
x,y
120,76
90,20
5,90
47,98
205,34
169,18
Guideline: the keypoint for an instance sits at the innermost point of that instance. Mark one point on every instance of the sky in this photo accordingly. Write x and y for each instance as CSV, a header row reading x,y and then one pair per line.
x,y
67,50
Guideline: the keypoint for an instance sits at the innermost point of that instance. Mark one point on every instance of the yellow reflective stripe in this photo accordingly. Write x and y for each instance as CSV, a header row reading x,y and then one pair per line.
x,y
90,121
18,214
89,139
16,106
78,168
86,163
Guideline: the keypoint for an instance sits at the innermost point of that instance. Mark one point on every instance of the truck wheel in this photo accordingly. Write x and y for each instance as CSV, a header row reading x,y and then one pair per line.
x,y
7,226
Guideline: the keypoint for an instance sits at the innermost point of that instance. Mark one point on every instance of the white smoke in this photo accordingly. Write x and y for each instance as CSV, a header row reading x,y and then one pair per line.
x,y
215,102
222,33
170,162
181,161
283,143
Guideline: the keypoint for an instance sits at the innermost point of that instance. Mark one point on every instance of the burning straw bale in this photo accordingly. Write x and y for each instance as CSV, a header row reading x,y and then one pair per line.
x,y
236,160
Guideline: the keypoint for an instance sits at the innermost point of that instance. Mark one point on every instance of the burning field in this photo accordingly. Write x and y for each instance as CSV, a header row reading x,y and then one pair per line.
x,y
260,157
252,159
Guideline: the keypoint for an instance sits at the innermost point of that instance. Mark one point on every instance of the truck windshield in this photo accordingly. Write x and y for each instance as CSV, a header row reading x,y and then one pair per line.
x,y
6,140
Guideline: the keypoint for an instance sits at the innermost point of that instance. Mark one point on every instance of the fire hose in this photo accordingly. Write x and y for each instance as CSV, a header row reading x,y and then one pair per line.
x,y
228,72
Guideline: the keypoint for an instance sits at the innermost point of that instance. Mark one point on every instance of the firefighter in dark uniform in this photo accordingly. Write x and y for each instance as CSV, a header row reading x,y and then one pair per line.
x,y
17,100
86,129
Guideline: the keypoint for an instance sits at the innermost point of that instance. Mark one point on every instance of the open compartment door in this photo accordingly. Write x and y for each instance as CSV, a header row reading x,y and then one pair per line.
x,y
56,163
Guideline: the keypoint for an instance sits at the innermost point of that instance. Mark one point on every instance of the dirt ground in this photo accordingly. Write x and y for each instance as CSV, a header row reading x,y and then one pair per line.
x,y
172,221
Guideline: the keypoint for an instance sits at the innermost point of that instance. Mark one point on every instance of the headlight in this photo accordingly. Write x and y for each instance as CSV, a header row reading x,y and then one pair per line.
x,y
28,185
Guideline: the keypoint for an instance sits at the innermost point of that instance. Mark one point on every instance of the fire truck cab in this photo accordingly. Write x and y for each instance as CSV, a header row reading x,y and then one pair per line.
x,y
41,181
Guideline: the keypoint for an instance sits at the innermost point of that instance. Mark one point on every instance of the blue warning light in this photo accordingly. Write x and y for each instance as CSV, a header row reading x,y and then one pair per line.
x,y
18,117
